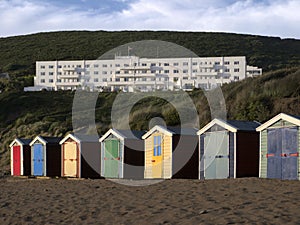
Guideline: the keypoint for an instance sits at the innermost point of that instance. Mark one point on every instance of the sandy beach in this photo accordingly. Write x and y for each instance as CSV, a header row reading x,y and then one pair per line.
x,y
232,201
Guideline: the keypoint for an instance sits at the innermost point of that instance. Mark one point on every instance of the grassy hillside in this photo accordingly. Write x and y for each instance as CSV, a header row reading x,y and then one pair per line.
x,y
24,114
19,54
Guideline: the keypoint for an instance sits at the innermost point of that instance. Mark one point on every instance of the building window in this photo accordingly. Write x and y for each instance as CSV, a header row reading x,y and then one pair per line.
x,y
50,80
236,78
126,72
195,63
96,72
195,71
226,63
185,63
126,79
117,72
157,146
78,66
51,66
166,64
87,66
59,66
104,79
96,65
175,71
217,63
96,80
153,64
104,65
117,79
50,73
236,62
42,80
227,70
43,73
58,80
59,73
217,70
144,64
42,67
176,64
117,65
166,71
104,72
185,71
126,65
236,70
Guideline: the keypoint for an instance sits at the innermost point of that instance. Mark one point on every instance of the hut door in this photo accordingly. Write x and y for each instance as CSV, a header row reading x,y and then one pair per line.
x,y
216,155
17,160
111,158
282,153
70,159
157,157
289,155
38,160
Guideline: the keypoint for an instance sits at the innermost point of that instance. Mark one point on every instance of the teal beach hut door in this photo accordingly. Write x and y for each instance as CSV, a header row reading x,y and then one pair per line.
x,y
111,158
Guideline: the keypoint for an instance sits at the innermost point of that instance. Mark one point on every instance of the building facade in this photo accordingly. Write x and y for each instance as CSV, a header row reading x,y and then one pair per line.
x,y
132,73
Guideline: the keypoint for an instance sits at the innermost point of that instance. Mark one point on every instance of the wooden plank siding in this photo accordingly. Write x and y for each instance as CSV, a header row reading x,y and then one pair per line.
x,y
167,155
263,153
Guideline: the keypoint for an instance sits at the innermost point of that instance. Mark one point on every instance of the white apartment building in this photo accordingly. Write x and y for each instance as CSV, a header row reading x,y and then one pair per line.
x,y
132,73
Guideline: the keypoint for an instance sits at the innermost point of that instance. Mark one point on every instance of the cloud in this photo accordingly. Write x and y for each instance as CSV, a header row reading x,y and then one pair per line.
x,y
272,18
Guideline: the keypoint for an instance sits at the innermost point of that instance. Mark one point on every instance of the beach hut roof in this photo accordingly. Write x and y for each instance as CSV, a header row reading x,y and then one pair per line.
x,y
171,131
46,140
231,125
282,116
20,141
80,138
122,134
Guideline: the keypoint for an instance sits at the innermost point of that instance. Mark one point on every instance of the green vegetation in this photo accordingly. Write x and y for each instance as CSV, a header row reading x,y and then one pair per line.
x,y
24,114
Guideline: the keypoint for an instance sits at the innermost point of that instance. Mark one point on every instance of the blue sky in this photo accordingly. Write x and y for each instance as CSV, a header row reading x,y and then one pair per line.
x,y
267,17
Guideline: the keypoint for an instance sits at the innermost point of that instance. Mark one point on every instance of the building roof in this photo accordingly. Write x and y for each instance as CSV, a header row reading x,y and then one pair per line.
x,y
20,141
231,125
123,134
46,140
80,138
170,131
281,116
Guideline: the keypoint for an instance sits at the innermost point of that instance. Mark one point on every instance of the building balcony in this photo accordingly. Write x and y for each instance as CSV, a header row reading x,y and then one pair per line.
x,y
68,83
67,76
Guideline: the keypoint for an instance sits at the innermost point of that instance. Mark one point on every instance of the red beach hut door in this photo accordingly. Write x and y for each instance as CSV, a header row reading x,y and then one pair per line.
x,y
17,160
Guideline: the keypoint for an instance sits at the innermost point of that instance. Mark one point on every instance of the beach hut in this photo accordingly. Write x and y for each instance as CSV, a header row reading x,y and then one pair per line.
x,y
171,152
20,157
45,156
279,147
228,149
122,154
80,156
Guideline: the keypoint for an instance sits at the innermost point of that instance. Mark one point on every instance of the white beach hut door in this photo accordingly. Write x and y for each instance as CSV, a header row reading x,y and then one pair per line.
x,y
216,155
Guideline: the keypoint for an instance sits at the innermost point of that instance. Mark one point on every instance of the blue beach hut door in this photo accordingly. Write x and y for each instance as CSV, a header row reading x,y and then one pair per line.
x,y
38,160
283,153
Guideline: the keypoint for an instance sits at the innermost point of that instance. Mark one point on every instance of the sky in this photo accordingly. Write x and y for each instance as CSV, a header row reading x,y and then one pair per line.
x,y
278,18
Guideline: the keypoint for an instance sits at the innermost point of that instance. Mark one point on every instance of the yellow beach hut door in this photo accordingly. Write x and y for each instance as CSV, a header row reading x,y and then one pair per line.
x,y
157,157
70,159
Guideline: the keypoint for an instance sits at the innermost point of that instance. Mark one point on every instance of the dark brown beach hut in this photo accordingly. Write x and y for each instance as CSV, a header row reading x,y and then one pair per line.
x,y
80,156
20,157
46,156
228,149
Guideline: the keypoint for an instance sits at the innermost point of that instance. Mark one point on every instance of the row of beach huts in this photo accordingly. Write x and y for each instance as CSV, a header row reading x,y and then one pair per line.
x,y
221,149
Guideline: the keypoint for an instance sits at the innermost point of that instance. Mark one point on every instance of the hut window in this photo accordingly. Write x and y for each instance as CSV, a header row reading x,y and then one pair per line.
x,y
157,146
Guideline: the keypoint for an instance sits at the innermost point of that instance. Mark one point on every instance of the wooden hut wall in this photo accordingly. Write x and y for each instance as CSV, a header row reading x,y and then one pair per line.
x,y
247,155
26,160
53,160
134,159
166,164
90,159
186,153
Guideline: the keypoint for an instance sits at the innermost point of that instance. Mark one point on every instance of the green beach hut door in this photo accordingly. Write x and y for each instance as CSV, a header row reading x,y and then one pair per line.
x,y
111,158
216,155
